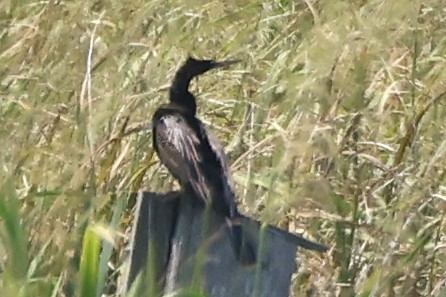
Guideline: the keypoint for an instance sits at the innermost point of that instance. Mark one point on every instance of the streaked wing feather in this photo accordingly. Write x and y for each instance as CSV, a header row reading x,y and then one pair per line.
x,y
228,183
178,149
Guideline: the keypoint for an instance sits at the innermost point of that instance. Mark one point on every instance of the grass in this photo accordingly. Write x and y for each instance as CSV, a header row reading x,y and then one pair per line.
x,y
333,124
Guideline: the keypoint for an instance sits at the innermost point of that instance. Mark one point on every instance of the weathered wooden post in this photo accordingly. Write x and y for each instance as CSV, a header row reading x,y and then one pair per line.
x,y
177,246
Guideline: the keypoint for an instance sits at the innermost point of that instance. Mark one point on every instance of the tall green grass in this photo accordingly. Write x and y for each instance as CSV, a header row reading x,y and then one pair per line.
x,y
334,125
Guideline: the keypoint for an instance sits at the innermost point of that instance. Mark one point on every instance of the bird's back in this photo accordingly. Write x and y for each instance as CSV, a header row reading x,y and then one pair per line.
x,y
194,156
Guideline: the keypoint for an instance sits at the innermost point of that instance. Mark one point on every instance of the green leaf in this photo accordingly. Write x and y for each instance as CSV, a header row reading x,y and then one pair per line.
x,y
89,263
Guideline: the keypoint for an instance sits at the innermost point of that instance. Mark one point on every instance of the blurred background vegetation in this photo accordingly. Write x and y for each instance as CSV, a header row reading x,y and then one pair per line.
x,y
333,125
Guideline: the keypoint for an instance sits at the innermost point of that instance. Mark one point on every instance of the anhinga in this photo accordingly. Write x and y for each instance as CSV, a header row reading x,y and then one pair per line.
x,y
194,156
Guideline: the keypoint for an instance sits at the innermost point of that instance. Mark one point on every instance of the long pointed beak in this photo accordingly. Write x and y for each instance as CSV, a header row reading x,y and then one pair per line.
x,y
223,64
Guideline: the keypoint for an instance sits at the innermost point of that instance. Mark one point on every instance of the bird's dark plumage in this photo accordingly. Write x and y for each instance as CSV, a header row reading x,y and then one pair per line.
x,y
193,155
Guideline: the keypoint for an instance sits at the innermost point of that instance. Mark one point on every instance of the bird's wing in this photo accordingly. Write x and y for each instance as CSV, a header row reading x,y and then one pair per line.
x,y
179,149
225,174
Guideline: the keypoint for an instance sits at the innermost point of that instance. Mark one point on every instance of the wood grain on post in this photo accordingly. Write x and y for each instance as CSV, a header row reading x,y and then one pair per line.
x,y
180,246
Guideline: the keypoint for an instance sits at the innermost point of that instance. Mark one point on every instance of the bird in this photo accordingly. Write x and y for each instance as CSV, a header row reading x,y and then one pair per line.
x,y
194,156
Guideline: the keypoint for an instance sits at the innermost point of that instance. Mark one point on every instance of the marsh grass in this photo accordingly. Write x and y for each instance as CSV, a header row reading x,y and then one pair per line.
x,y
333,124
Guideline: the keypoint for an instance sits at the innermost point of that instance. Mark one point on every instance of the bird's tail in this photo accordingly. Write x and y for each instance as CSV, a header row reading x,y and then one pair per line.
x,y
245,250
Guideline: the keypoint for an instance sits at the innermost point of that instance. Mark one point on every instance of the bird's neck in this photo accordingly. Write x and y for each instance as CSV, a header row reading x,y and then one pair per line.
x,y
179,92
181,80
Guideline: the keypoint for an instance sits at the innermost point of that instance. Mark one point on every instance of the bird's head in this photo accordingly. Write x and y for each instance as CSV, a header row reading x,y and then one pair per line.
x,y
194,67
179,90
